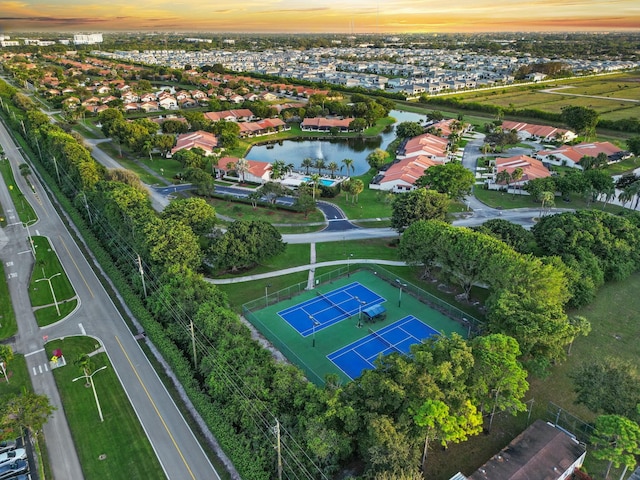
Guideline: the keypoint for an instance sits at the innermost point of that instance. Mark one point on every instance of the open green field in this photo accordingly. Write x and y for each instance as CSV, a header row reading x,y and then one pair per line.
x,y
120,438
621,92
41,291
8,325
23,208
244,211
312,359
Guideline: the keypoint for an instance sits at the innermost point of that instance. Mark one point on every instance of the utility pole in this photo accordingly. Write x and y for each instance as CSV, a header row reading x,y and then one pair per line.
x,y
193,343
55,164
276,430
86,205
144,286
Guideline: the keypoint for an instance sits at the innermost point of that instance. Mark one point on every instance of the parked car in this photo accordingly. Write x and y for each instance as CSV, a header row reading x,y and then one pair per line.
x,y
11,456
11,470
7,445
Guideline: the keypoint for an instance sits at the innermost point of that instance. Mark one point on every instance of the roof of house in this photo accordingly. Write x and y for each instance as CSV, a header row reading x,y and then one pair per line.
x,y
541,131
531,168
408,170
322,122
256,168
576,152
231,114
541,452
201,139
250,127
426,144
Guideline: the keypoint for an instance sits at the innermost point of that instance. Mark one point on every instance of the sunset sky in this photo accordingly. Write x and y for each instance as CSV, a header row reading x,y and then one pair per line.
x,y
339,16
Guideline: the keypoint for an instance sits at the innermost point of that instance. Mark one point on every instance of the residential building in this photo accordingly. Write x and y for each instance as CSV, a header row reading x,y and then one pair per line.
x,y
401,175
427,145
200,139
543,133
571,155
531,168
543,451
257,172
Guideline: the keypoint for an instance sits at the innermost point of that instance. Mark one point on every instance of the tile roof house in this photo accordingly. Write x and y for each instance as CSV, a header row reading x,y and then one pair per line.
x,y
427,145
531,169
542,132
259,172
200,139
239,115
401,176
571,155
262,127
322,124
542,452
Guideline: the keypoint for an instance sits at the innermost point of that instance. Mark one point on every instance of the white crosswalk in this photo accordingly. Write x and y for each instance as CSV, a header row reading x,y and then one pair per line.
x,y
40,369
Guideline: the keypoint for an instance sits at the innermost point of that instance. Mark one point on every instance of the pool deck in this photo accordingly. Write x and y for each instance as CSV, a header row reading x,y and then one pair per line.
x,y
295,179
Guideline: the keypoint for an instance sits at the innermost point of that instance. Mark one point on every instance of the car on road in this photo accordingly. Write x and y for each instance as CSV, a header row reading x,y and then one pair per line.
x,y
11,456
7,446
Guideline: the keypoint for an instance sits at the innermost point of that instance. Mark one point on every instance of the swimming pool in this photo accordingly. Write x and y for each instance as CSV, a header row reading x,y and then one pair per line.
x,y
323,181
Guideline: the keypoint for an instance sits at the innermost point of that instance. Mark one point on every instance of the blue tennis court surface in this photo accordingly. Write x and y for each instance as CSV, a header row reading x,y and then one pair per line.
x,y
329,308
397,337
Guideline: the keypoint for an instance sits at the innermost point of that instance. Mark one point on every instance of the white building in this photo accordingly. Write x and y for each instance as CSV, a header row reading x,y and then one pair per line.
x,y
87,39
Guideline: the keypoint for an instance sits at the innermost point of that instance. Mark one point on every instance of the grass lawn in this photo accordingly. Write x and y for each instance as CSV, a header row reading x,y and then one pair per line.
x,y
23,208
244,211
625,166
127,162
371,203
47,266
378,248
120,438
8,325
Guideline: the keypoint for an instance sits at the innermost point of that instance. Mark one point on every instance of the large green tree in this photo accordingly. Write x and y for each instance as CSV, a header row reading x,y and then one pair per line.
x,y
418,204
194,212
608,385
244,244
450,178
582,119
616,439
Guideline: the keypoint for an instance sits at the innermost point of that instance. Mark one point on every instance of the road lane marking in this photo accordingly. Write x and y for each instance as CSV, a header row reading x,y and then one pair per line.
x,y
34,352
34,371
82,331
77,268
155,408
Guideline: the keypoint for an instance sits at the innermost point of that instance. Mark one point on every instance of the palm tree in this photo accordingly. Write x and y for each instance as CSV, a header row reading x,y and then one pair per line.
x,y
242,167
357,186
348,165
307,163
315,179
86,365
277,169
333,166
320,165
546,201
503,176
516,175
625,196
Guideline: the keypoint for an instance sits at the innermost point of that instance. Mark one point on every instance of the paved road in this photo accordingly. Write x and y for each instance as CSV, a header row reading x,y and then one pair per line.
x,y
180,454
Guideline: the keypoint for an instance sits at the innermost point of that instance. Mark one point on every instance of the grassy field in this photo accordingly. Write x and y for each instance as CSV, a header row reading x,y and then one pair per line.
x,y
120,438
8,325
48,265
613,87
23,208
244,211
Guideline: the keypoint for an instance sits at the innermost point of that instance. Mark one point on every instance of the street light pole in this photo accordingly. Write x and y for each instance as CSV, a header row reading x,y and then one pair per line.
x,y
53,294
400,285
349,264
26,225
360,304
93,387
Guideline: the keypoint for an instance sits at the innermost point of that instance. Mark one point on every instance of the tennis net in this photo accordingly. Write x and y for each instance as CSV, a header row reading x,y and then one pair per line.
x,y
332,303
386,342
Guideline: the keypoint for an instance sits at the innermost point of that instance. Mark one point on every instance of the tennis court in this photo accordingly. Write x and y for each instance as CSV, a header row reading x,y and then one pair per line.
x,y
329,308
286,320
397,337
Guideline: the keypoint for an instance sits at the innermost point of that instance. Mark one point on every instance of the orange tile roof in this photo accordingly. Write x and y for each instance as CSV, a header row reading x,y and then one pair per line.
x,y
531,168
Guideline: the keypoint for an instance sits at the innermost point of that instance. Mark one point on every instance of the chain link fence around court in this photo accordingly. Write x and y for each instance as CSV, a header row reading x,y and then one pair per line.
x,y
473,325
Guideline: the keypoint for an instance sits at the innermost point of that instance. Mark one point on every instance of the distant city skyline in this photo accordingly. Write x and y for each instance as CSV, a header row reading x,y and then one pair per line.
x,y
322,16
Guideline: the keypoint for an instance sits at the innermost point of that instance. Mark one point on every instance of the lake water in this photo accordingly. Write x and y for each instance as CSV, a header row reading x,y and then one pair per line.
x,y
332,150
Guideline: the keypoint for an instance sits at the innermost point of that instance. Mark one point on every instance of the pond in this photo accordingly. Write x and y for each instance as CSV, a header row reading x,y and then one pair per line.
x,y
332,150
